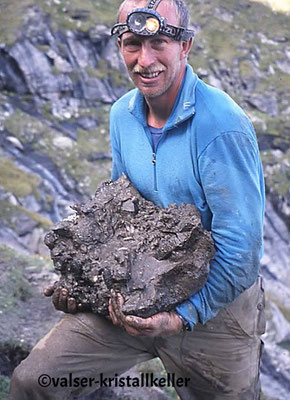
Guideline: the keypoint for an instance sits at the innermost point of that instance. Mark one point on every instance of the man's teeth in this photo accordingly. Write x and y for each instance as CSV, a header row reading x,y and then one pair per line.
x,y
150,75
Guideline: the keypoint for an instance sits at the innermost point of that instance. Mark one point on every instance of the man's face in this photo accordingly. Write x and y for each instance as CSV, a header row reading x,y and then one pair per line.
x,y
155,64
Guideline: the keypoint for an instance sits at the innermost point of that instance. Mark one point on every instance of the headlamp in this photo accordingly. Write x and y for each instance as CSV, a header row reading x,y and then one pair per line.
x,y
143,23
152,25
148,22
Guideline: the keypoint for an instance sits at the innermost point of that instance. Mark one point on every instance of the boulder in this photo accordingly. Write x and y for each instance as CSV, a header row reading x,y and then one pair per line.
x,y
155,257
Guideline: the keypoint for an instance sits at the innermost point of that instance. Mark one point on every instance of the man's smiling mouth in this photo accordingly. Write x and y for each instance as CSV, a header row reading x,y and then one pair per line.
x,y
149,75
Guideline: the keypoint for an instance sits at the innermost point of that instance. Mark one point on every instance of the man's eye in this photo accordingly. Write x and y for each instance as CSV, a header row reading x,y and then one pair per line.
x,y
132,44
159,42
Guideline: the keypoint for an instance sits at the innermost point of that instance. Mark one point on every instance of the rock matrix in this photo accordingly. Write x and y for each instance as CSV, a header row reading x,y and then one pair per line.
x,y
155,257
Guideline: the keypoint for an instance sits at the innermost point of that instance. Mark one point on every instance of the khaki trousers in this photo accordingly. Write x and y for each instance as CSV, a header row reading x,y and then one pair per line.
x,y
220,360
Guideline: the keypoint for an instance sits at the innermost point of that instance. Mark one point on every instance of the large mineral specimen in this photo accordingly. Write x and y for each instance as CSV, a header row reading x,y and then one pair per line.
x,y
155,257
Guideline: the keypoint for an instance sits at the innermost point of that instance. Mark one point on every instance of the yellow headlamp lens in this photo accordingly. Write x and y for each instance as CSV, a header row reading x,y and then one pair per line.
x,y
152,25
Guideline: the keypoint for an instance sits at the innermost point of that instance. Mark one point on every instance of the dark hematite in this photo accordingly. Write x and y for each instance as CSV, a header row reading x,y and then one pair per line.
x,y
155,257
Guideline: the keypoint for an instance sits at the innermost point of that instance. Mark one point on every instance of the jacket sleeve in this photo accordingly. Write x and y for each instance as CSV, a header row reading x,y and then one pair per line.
x,y
232,180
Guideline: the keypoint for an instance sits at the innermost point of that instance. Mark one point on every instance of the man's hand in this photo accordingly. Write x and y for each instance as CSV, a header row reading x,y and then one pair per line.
x,y
161,324
61,301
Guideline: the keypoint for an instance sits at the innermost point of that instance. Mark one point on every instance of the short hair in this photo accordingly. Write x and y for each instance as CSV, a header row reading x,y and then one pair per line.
x,y
181,9
182,12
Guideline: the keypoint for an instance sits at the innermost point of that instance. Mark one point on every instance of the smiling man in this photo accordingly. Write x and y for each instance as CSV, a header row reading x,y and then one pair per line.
x,y
178,140
155,63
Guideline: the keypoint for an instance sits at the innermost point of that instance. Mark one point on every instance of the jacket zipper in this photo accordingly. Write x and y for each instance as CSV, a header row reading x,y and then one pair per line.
x,y
154,170
149,136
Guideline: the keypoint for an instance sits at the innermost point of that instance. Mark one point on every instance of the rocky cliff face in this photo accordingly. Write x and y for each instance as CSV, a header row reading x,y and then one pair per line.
x,y
59,73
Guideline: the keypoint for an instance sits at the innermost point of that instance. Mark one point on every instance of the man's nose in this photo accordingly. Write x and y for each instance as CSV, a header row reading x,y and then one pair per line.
x,y
146,55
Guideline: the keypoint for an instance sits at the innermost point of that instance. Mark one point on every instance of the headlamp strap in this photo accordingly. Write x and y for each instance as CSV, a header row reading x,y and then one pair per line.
x,y
152,4
175,32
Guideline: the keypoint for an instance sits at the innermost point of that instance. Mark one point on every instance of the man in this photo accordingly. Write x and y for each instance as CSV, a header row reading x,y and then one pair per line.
x,y
178,141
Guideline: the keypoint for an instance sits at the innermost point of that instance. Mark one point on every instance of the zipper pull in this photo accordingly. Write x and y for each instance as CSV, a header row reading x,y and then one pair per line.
x,y
154,159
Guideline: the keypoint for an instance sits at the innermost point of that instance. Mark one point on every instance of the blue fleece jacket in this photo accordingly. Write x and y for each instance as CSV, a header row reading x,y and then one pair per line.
x,y
207,156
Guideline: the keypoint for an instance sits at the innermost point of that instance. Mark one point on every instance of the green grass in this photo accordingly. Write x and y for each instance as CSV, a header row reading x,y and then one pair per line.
x,y
25,127
12,13
115,77
11,215
277,172
64,15
14,285
156,367
279,182
16,181
73,161
4,387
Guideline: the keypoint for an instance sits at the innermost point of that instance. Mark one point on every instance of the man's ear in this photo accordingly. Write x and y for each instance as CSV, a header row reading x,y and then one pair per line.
x,y
186,47
119,41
